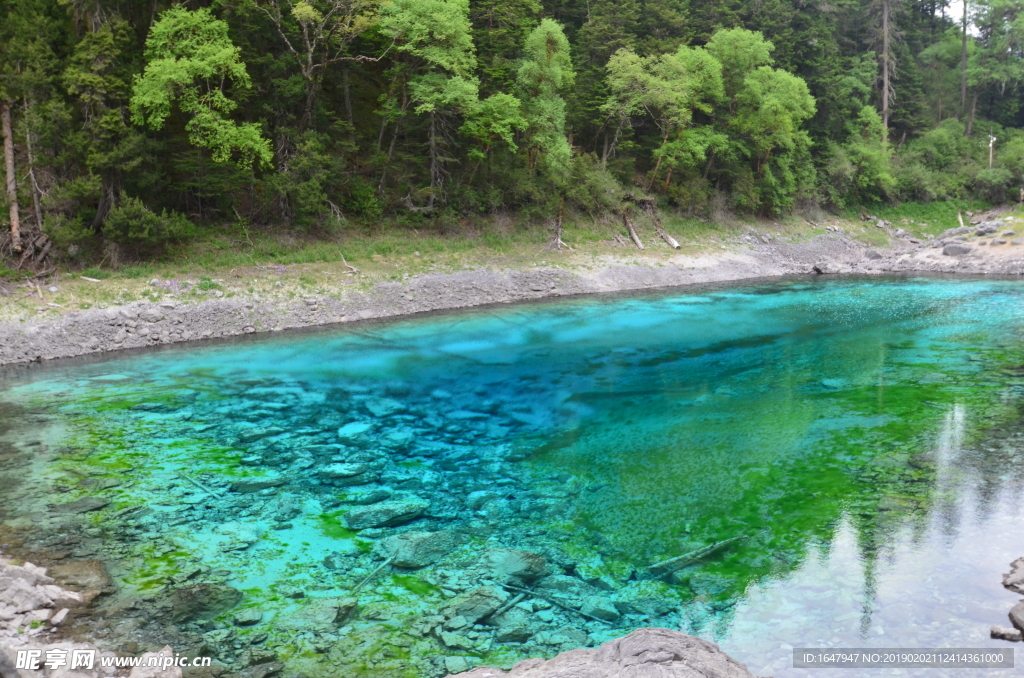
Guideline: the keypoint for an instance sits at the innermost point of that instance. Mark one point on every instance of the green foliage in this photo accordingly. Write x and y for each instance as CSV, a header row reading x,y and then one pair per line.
x,y
545,73
190,59
861,169
133,224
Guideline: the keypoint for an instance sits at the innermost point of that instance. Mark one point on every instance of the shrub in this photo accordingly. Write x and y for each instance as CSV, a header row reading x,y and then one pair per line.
x,y
135,226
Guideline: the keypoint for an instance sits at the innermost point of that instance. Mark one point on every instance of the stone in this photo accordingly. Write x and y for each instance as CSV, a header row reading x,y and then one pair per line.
x,y
59,618
152,315
602,608
644,653
513,626
565,636
418,549
385,513
346,475
146,671
1017,241
456,664
998,241
998,632
514,563
248,617
872,254
475,604
1017,616
369,496
456,641
480,498
85,575
250,485
384,407
23,597
1014,579
83,505
203,601
354,430
956,249
321,615
1009,233
30,575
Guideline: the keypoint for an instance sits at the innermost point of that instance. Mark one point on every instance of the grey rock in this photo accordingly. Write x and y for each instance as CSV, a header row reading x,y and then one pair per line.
x,y
478,499
1002,633
83,505
23,597
250,485
321,615
152,315
956,249
1017,616
418,549
1009,233
369,496
602,608
348,474
355,430
1013,580
475,604
1017,241
998,241
30,574
872,254
645,653
456,641
88,575
513,626
203,601
385,513
248,617
384,407
512,562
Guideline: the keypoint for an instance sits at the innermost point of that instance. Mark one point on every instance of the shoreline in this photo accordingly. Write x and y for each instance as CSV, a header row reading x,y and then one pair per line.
x,y
140,324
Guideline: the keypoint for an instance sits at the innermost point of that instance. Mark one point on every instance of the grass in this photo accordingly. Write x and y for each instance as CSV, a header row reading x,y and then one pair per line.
x,y
923,218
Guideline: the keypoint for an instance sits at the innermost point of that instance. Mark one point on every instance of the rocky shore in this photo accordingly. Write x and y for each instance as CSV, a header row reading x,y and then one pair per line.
x,y
979,249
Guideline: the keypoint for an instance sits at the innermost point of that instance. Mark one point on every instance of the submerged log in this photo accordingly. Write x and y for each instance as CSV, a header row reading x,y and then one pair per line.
x,y
679,562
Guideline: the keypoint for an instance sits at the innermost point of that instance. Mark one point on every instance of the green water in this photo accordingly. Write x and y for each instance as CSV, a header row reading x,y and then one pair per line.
x,y
860,439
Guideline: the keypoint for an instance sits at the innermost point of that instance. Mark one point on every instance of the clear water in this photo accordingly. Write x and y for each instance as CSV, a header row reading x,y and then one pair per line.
x,y
863,436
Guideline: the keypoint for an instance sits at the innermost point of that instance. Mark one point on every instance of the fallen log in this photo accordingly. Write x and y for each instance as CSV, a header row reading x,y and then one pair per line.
x,y
632,231
679,562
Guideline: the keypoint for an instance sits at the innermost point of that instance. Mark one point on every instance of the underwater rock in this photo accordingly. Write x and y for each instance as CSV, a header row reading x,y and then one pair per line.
x,y
644,653
83,505
456,664
250,485
146,671
418,549
384,407
354,431
513,626
88,575
998,632
512,562
202,601
248,617
476,604
478,499
346,474
456,641
369,496
567,636
398,439
1013,580
385,514
321,614
602,608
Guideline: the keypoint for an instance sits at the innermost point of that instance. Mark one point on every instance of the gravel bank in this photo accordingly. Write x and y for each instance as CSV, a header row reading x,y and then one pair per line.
x,y
141,324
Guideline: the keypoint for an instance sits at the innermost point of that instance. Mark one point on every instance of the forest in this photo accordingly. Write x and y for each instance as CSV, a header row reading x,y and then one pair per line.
x,y
129,124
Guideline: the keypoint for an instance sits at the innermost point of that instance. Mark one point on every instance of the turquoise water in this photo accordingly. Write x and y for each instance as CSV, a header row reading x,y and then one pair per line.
x,y
860,440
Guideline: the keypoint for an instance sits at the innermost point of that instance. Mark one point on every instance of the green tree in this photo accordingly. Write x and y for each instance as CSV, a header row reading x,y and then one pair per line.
x,y
546,72
190,61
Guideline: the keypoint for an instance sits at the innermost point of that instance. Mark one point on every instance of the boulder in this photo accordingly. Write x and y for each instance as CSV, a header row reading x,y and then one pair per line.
x,y
203,601
86,575
30,574
998,632
23,597
385,513
1017,616
418,549
248,617
955,249
645,653
320,615
513,626
872,254
602,608
1014,580
475,604
345,474
514,563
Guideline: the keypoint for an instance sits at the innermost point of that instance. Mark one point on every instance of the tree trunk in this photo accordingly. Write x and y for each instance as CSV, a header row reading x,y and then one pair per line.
x,y
435,170
12,183
348,98
632,231
974,107
963,64
36,202
885,68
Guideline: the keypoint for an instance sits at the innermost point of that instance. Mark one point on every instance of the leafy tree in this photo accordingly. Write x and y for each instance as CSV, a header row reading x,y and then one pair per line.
x,y
545,74
190,60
